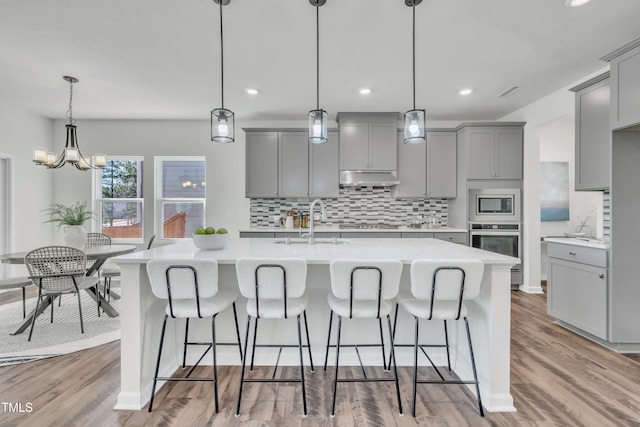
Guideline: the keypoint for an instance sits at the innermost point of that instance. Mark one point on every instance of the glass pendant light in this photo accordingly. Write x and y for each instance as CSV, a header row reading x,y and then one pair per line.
x,y
222,120
317,117
71,153
415,121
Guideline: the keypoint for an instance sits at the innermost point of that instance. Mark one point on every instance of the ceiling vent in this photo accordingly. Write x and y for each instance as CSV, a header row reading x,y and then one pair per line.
x,y
509,92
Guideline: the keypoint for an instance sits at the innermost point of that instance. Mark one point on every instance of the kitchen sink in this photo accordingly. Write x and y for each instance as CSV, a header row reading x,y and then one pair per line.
x,y
319,240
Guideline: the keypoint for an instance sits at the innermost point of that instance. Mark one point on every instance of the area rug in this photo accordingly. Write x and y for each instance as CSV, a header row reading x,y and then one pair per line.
x,y
63,336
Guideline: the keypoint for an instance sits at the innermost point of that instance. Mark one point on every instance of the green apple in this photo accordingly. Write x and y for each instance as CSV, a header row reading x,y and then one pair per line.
x,y
200,230
222,231
210,230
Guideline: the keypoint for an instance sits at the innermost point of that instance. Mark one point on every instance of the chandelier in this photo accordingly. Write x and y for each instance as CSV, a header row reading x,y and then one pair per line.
x,y
71,153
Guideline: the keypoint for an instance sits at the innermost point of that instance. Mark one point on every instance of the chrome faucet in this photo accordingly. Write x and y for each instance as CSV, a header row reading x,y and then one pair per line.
x,y
312,222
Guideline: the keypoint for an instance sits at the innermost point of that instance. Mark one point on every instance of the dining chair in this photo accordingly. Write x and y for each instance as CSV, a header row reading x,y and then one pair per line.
x,y
18,283
58,270
95,240
363,289
191,289
439,289
275,288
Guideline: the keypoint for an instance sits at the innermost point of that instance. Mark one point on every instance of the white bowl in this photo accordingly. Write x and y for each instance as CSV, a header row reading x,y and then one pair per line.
x,y
210,241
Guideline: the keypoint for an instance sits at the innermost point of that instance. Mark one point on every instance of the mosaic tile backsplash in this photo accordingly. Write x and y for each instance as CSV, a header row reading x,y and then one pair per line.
x,y
354,205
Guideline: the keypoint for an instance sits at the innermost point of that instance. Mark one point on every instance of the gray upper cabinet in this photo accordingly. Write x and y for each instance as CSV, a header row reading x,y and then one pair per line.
x,y
412,169
494,152
427,170
282,163
593,134
293,152
368,141
261,164
625,86
324,175
441,164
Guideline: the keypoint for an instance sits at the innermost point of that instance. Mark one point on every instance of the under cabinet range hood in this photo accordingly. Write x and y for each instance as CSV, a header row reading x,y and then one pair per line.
x,y
369,178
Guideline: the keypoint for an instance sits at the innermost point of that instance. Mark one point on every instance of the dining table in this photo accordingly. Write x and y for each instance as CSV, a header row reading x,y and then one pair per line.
x,y
98,254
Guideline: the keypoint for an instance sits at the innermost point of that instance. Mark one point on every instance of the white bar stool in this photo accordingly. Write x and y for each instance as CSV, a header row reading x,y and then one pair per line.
x,y
191,288
275,289
439,288
363,289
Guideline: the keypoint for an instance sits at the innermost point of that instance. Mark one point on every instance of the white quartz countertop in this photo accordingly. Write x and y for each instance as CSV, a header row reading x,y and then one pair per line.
x,y
576,241
336,229
405,250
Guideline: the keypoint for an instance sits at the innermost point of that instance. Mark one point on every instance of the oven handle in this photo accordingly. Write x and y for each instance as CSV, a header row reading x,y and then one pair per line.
x,y
495,233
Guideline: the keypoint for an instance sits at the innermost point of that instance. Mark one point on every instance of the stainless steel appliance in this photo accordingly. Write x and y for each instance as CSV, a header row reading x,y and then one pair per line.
x,y
494,205
502,238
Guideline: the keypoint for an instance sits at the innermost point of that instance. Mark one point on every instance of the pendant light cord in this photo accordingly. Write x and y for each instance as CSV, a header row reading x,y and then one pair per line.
x,y
69,113
317,56
413,7
221,58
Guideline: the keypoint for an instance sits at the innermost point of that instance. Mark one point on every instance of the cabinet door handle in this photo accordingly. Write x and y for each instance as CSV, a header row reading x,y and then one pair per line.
x,y
572,253
601,275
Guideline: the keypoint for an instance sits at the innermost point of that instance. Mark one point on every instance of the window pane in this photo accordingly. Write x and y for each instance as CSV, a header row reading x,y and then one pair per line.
x,y
122,179
181,219
122,219
183,179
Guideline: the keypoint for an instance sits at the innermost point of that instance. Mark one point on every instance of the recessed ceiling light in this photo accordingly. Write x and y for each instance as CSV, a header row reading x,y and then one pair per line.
x,y
465,91
365,91
251,91
575,3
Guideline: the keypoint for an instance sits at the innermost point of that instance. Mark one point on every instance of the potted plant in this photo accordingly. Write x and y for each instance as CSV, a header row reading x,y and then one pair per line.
x,y
73,218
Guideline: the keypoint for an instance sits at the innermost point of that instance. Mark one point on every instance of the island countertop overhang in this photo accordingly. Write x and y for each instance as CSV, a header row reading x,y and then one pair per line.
x,y
405,250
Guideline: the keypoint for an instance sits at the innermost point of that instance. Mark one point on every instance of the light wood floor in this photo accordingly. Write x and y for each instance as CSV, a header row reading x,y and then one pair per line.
x,y
557,379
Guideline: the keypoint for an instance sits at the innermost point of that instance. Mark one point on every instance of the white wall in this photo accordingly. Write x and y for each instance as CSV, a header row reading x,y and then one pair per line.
x,y
20,133
148,138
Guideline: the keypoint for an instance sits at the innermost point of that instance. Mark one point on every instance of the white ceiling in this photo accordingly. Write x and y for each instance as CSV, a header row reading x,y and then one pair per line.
x,y
160,59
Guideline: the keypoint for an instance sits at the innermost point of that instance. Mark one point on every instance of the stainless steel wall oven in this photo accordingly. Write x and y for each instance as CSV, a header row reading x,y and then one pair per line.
x,y
503,238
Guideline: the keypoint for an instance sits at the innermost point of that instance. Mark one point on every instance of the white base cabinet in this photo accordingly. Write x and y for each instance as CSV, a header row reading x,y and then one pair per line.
x,y
577,286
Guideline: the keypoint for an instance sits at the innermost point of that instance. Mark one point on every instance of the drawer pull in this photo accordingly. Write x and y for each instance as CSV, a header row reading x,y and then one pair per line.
x,y
601,275
572,253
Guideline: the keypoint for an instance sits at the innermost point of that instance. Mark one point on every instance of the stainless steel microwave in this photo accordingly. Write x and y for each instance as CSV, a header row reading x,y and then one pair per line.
x,y
494,204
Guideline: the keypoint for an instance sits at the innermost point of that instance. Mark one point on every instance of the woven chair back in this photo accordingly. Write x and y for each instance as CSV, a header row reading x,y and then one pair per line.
x,y
98,239
56,268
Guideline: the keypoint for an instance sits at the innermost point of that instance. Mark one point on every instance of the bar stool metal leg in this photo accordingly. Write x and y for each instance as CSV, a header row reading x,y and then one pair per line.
x,y
215,360
446,341
244,363
395,367
326,354
186,341
306,327
253,350
384,360
235,318
304,394
415,369
473,365
335,379
155,375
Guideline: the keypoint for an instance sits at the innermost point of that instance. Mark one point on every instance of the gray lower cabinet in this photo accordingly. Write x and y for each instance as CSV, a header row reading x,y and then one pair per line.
x,y
625,86
593,134
453,237
427,170
370,235
493,152
577,279
261,164
256,234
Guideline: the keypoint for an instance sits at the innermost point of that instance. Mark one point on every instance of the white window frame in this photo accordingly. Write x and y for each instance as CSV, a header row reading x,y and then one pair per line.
x,y
96,226
159,200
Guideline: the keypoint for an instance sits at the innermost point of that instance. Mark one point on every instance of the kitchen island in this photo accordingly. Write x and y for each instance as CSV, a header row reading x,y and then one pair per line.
x,y
489,313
